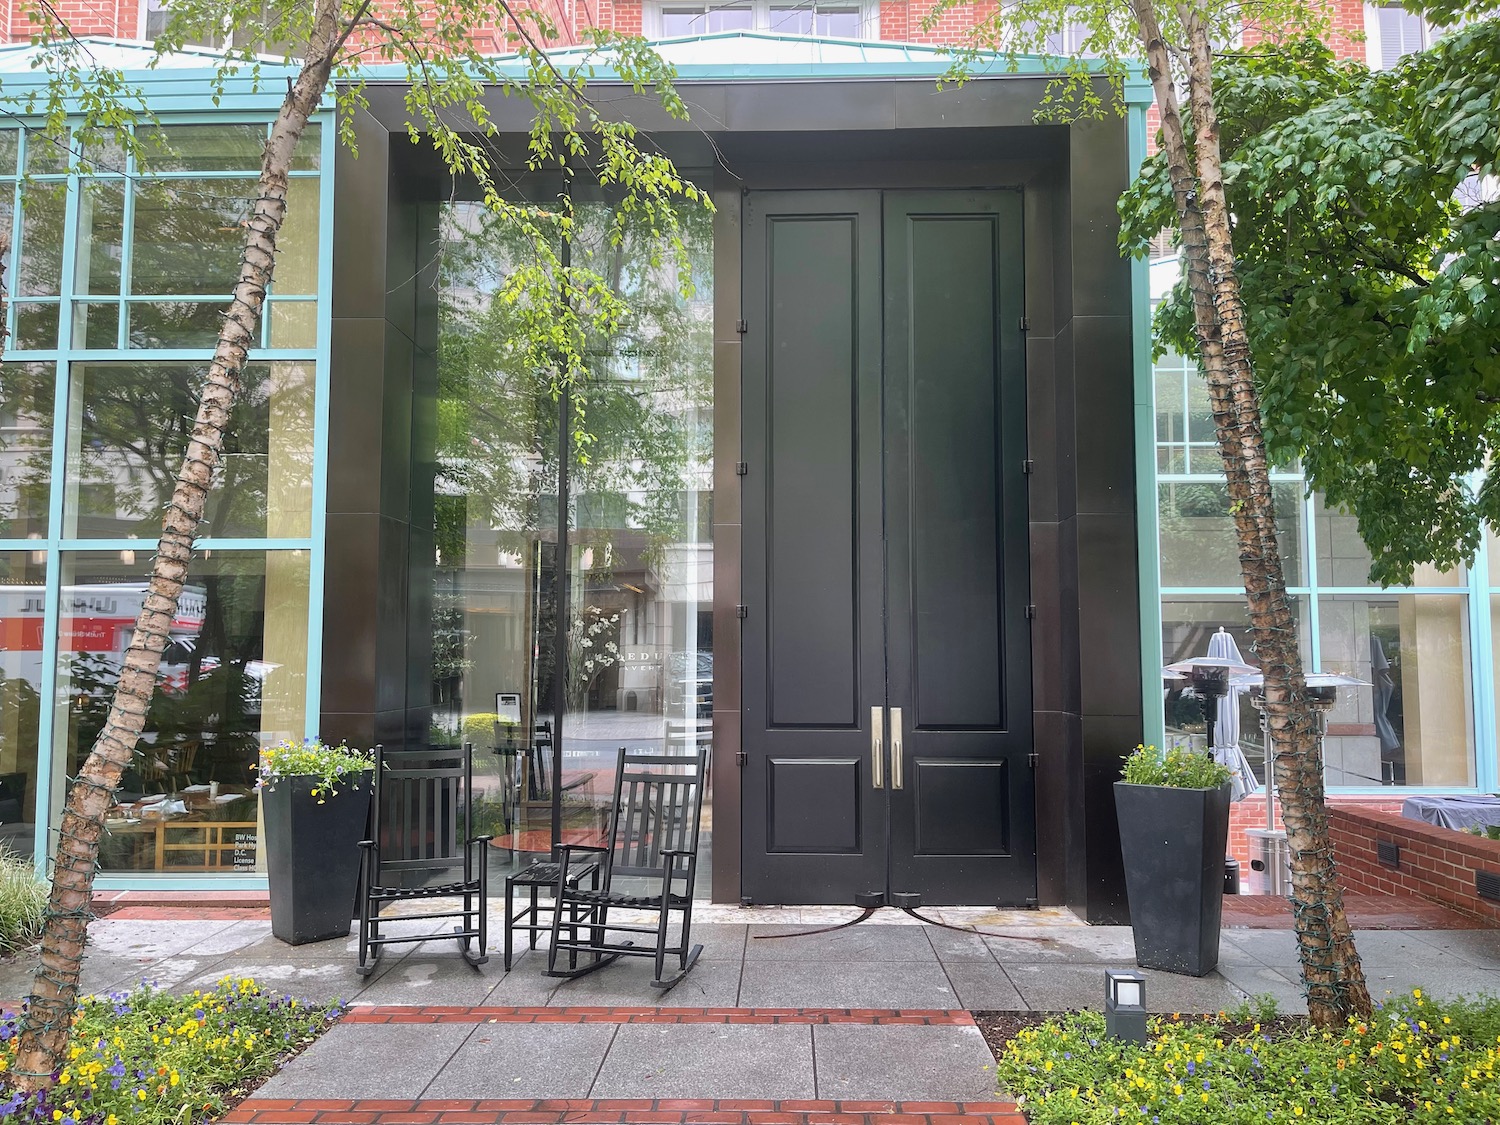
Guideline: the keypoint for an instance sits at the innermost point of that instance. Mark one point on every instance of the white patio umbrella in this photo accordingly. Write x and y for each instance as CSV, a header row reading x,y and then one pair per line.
x,y
1226,748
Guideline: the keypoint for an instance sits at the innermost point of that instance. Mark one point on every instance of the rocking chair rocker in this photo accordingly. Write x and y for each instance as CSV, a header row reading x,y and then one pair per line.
x,y
653,839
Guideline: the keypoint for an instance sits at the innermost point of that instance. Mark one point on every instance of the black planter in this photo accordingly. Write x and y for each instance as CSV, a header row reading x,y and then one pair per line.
x,y
1173,844
313,856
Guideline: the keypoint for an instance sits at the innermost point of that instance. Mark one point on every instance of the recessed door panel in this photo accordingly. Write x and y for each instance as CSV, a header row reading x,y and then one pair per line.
x,y
814,805
961,807
811,474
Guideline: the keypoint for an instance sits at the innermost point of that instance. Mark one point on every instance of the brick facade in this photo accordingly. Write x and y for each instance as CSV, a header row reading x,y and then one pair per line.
x,y
1437,864
1251,813
900,20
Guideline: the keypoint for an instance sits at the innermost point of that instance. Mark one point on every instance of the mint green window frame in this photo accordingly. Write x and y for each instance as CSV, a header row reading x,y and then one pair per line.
x,y
257,109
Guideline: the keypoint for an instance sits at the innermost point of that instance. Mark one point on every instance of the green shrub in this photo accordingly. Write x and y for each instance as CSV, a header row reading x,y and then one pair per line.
x,y
1414,1061
23,899
148,1057
313,758
1179,769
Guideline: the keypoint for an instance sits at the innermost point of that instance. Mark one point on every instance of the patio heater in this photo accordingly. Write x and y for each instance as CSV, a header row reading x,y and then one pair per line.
x,y
1270,858
1210,677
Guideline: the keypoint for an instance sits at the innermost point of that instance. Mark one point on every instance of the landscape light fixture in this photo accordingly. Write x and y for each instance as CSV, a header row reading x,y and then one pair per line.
x,y
1125,1005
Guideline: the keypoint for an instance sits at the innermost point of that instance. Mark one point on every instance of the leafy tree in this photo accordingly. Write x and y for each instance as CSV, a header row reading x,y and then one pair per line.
x,y
557,305
1178,42
1367,252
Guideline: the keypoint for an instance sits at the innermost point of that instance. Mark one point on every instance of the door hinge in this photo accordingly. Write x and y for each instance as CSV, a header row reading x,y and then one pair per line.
x,y
742,611
1030,613
1031,759
1025,325
1027,466
741,468
741,327
739,758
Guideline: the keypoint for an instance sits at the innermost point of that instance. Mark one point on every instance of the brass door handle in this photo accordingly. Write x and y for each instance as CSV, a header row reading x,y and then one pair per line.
x,y
898,779
877,739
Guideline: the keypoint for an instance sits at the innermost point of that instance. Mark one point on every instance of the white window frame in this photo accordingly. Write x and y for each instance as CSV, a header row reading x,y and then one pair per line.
x,y
761,19
140,28
1373,48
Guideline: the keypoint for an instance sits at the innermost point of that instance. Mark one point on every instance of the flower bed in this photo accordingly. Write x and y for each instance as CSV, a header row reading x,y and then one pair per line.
x,y
1415,1061
147,1056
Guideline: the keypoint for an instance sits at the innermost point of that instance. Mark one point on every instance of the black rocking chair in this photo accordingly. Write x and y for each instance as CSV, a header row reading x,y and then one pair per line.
x,y
423,804
653,838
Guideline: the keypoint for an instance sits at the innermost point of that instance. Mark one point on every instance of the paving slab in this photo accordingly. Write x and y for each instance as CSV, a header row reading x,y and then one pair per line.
x,y
306,980
864,942
836,984
1102,944
1055,987
984,988
708,1061
369,1061
1255,980
425,979
1480,948
1440,982
898,1063
955,946
500,1060
150,940
627,983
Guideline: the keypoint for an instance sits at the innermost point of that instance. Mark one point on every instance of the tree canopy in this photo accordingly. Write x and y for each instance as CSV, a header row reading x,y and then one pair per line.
x,y
1366,218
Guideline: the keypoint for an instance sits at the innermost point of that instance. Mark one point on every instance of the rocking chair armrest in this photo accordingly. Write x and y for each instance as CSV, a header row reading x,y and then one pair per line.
x,y
367,843
485,839
678,852
564,849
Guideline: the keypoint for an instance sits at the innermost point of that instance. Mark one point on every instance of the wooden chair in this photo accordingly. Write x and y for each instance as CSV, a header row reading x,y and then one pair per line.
x,y
653,837
422,822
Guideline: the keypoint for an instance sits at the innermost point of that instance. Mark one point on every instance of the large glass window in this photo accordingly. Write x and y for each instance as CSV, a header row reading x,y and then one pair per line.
x,y
839,19
561,632
125,257
232,680
1198,544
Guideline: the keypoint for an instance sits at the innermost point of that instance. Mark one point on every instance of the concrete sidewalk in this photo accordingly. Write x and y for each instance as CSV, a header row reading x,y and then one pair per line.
x,y
782,1028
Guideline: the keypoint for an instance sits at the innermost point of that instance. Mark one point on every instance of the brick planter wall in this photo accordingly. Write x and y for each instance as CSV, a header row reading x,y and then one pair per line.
x,y
1251,813
1437,864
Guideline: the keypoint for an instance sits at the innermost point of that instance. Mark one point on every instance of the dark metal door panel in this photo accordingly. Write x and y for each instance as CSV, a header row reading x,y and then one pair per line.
x,y
813,644
962,808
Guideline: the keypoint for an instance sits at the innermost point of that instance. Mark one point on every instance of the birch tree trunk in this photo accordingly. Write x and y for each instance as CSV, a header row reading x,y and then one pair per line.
x,y
44,1027
1331,971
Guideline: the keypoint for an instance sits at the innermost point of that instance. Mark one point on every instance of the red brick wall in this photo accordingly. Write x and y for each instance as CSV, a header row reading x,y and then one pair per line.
x,y
1251,813
1437,864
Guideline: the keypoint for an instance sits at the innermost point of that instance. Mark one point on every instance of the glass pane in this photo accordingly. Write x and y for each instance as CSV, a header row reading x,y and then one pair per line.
x,y
308,156
294,324
730,19
96,325
484,559
1344,560
25,448
202,148
129,428
232,680
842,23
1171,422
1187,627
22,599
45,155
791,21
36,325
1200,414
676,22
101,229
639,666
175,324
188,235
42,206
10,144
1414,725
1198,545
297,244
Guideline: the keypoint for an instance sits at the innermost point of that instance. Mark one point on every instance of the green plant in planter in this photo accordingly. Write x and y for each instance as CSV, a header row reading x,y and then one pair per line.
x,y
1176,769
1487,831
312,757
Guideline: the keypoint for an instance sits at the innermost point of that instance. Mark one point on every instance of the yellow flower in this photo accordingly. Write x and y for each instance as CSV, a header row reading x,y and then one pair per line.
x,y
1417,992
1297,1111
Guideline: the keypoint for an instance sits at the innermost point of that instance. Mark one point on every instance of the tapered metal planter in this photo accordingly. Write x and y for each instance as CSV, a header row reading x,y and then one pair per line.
x,y
312,856
1173,842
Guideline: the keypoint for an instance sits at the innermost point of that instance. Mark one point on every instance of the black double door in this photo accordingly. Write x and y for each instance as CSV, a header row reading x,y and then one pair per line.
x,y
887,687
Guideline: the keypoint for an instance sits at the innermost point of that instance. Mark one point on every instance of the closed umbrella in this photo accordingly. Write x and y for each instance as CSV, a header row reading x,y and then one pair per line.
x,y
1226,748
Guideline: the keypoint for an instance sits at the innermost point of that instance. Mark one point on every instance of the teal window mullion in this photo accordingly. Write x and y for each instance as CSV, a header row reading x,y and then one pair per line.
x,y
1314,619
46,735
127,259
1482,669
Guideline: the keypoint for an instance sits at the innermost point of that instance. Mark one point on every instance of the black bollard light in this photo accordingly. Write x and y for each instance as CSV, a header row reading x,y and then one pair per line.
x,y
1125,1005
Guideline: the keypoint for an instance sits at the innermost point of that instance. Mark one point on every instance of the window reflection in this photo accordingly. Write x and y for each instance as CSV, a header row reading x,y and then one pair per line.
x,y
25,448
22,592
233,679
631,664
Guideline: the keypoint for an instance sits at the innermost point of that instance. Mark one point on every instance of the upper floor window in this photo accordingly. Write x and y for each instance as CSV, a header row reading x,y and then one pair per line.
x,y
1391,33
851,19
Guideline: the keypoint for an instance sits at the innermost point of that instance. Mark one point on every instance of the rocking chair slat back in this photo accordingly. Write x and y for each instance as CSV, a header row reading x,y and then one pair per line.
x,y
658,803
423,803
